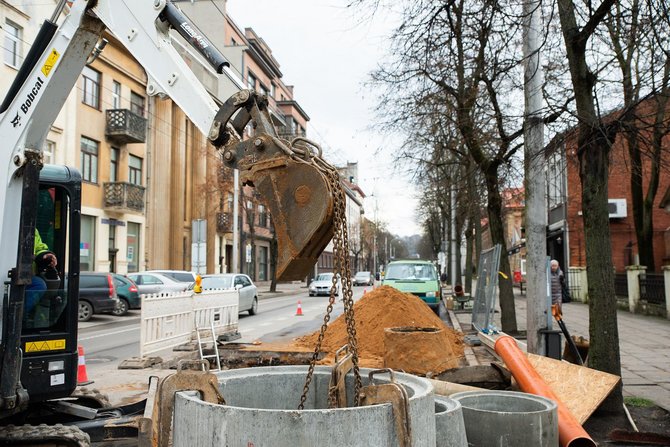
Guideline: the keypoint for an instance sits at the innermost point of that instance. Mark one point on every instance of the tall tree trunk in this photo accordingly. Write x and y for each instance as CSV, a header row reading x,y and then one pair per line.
x,y
506,294
594,144
604,345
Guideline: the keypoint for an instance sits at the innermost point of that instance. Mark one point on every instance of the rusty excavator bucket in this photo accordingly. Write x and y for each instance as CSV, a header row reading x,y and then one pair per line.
x,y
292,179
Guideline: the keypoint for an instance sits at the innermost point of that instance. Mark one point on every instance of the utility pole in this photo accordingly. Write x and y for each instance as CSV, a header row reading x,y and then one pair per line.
x,y
536,207
236,221
453,233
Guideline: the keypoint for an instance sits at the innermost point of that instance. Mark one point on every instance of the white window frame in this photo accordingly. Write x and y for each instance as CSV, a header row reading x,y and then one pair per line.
x,y
15,40
116,95
49,151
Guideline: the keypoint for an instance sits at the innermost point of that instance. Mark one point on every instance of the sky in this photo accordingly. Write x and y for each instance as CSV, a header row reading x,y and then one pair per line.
x,y
327,52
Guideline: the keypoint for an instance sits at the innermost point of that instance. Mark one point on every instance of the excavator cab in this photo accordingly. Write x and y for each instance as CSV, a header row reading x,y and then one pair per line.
x,y
49,329
293,180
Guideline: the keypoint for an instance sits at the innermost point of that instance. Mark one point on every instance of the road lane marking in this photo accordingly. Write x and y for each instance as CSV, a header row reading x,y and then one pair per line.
x,y
110,333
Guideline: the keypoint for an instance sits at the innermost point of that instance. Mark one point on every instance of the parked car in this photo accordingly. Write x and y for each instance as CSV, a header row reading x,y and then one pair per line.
x,y
129,296
363,279
416,277
156,283
97,294
322,284
177,275
239,281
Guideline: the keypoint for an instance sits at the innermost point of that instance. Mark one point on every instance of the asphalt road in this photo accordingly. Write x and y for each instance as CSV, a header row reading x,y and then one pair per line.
x,y
108,340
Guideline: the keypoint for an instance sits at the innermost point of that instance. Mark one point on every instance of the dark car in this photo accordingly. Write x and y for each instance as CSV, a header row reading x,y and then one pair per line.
x,y
97,294
129,297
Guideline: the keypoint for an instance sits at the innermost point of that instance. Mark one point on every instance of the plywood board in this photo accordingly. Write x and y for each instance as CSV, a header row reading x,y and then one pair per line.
x,y
581,389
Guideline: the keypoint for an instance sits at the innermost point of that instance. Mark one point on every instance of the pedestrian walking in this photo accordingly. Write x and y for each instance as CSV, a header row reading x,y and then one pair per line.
x,y
557,280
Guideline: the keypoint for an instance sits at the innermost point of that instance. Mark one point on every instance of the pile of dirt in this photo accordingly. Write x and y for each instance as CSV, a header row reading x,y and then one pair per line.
x,y
386,307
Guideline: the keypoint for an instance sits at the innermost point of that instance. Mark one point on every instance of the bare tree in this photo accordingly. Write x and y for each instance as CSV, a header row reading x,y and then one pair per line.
x,y
464,57
595,139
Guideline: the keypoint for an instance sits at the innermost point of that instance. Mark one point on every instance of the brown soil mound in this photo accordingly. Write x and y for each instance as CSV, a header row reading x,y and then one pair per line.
x,y
386,307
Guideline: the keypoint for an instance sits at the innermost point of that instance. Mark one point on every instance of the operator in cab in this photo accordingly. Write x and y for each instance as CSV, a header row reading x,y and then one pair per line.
x,y
44,268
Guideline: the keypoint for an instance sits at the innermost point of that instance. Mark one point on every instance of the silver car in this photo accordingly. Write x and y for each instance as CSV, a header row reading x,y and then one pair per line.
x,y
156,283
237,281
177,275
322,284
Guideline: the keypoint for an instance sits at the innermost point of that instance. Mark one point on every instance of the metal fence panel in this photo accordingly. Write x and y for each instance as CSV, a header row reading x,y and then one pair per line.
x,y
652,288
621,285
487,288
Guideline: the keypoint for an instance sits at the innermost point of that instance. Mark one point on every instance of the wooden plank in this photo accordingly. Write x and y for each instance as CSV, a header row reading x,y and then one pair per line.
x,y
580,388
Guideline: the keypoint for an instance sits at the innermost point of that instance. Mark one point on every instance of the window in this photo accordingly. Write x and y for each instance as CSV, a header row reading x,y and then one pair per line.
x,y
135,170
89,160
251,81
273,89
262,216
112,245
87,243
262,263
137,104
150,279
230,202
133,244
555,179
232,42
12,44
49,151
91,90
250,204
116,95
264,90
114,164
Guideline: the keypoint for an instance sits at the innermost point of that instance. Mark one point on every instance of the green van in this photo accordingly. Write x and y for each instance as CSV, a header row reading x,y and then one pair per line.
x,y
416,277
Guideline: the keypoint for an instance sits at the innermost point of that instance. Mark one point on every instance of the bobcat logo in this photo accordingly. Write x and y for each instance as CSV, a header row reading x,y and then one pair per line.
x,y
17,120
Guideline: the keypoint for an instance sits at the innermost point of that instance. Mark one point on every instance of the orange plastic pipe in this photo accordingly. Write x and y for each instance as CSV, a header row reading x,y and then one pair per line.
x,y
570,431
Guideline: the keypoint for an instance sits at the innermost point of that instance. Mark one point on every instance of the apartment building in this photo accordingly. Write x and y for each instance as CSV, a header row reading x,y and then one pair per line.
x,y
252,60
101,131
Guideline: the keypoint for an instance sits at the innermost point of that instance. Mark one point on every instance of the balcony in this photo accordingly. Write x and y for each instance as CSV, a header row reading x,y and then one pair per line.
x,y
289,134
121,196
224,222
124,126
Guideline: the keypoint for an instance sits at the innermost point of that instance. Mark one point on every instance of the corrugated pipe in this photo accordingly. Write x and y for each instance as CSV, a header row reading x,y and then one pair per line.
x,y
570,432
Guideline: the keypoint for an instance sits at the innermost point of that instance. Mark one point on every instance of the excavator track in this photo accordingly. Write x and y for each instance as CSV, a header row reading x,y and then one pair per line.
x,y
91,397
43,436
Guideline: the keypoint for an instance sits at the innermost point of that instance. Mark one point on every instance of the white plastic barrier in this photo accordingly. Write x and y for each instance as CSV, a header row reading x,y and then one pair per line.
x,y
169,319
218,306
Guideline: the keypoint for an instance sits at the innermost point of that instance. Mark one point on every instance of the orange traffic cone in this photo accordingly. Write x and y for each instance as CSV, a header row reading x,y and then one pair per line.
x,y
298,313
82,377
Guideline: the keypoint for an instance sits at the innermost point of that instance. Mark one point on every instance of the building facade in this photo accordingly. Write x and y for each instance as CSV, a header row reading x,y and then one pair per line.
x,y
565,233
191,170
101,130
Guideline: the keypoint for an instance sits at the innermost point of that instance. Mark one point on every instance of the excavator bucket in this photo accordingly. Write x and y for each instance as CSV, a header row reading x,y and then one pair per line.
x,y
293,182
300,202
